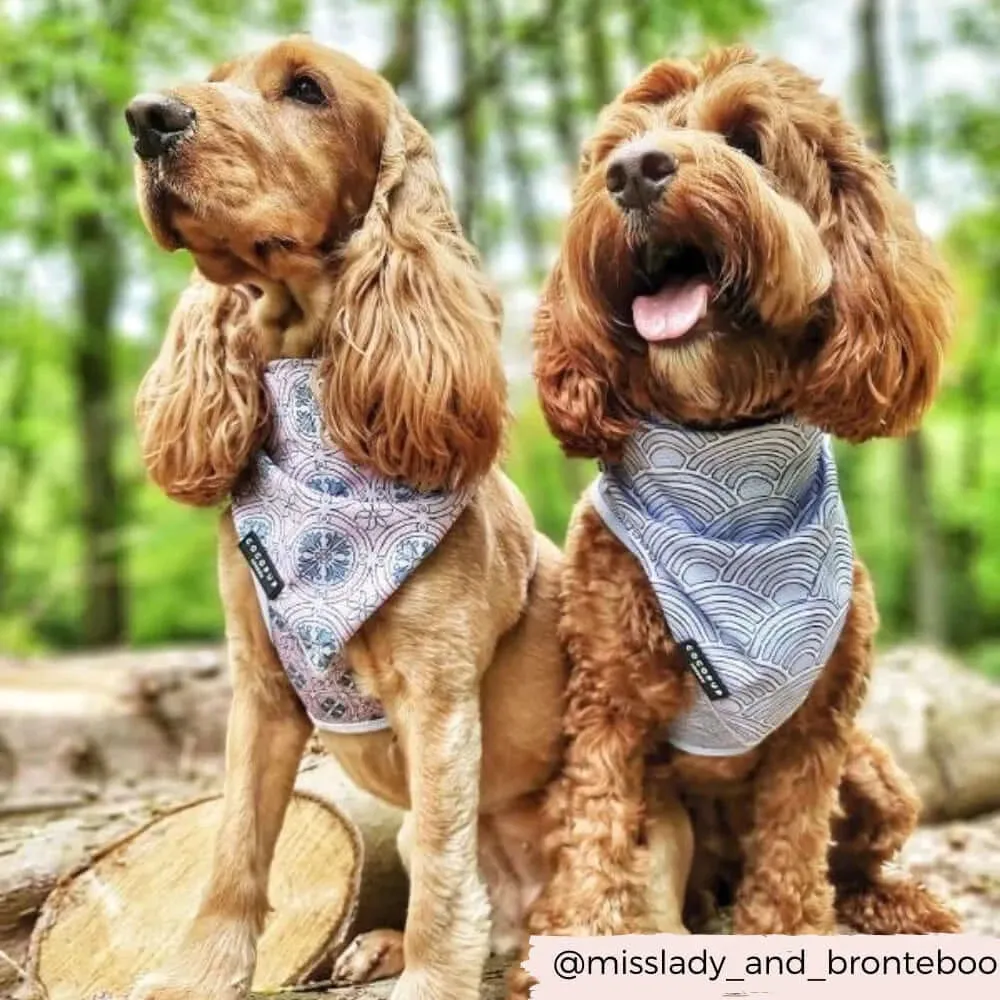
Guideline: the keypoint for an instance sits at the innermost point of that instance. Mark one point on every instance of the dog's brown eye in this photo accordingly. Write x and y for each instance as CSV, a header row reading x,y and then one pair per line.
x,y
746,140
305,90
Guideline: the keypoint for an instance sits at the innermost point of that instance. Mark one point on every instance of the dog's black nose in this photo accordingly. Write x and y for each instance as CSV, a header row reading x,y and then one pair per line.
x,y
638,175
157,122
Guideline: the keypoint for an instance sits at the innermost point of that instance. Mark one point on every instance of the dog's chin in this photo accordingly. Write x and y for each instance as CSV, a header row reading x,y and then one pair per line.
x,y
685,374
157,206
174,207
174,225
695,334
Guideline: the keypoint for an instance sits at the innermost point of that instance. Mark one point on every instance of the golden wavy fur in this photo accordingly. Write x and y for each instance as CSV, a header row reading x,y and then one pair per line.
x,y
313,207
826,302
412,382
201,408
428,408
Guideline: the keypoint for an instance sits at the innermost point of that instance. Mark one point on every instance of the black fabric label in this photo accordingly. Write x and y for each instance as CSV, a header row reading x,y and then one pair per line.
x,y
706,675
260,562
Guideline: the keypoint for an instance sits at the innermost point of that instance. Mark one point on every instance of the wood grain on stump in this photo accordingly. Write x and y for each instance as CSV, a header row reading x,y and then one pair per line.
x,y
126,911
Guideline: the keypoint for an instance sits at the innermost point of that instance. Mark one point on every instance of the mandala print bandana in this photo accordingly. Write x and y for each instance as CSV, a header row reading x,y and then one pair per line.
x,y
744,538
329,543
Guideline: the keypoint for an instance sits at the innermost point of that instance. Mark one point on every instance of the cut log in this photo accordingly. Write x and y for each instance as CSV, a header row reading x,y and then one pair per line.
x,y
384,882
126,910
942,723
73,727
125,913
37,850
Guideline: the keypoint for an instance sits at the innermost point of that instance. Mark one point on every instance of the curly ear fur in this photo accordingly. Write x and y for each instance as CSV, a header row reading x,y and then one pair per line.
x,y
201,408
576,370
412,381
876,373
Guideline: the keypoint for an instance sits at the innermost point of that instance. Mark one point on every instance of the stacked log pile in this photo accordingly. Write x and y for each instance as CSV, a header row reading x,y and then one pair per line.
x,y
93,748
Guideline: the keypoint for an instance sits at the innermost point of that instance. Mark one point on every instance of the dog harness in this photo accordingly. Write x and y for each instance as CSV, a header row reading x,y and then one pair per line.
x,y
329,542
744,538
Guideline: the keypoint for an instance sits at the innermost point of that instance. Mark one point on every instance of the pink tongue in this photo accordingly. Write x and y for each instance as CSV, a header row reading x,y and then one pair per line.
x,y
671,312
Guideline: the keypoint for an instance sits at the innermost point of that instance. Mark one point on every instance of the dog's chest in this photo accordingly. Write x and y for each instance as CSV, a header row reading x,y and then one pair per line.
x,y
328,542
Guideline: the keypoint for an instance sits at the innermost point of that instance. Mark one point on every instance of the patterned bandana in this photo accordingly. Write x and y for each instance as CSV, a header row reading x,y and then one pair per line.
x,y
329,542
745,541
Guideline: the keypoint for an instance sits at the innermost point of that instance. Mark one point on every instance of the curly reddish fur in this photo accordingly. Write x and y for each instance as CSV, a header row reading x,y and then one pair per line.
x,y
828,304
848,308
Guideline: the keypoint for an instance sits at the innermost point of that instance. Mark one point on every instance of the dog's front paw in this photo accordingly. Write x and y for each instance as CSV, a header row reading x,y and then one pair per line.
x,y
771,907
371,956
217,962
414,986
157,987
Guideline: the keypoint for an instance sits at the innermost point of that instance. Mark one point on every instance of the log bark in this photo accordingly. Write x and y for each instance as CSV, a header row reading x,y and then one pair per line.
x,y
71,727
942,723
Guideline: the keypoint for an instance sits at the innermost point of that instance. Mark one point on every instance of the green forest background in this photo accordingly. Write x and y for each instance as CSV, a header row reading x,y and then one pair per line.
x,y
91,555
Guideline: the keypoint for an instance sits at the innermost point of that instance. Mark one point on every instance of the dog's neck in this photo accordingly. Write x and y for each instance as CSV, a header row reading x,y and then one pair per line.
x,y
290,315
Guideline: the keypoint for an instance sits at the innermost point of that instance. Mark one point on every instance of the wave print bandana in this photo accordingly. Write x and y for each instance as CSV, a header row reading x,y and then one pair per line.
x,y
329,542
744,538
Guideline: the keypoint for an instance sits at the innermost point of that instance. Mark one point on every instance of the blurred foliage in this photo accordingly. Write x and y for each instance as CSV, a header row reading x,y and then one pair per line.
x,y
531,75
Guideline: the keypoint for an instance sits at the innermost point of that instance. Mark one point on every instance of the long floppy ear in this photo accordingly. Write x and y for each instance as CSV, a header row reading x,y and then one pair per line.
x,y
412,381
876,373
577,369
201,408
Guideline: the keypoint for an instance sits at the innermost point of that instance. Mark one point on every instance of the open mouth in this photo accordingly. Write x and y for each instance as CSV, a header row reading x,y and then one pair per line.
x,y
674,288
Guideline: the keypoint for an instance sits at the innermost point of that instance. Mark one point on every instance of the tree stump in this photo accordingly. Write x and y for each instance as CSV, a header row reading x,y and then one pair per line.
x,y
126,909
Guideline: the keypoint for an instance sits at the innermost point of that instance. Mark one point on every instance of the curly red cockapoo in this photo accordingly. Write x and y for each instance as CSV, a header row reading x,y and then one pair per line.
x,y
737,263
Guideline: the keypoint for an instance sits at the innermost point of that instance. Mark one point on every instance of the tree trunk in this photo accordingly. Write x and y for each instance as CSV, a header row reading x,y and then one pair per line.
x,y
952,609
871,81
518,167
928,581
99,271
600,88
925,570
640,32
97,261
17,470
401,69
557,73
470,132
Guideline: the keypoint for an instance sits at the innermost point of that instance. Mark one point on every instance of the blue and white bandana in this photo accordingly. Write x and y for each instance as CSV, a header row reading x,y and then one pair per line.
x,y
744,538
329,542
